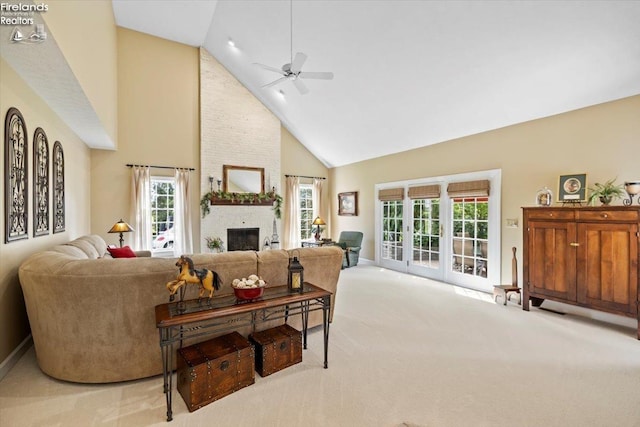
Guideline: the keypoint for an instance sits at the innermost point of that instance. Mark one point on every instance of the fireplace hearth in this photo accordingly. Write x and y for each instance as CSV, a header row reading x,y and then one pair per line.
x,y
243,239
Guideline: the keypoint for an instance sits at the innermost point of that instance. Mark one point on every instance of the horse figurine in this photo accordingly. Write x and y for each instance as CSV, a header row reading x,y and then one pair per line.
x,y
208,280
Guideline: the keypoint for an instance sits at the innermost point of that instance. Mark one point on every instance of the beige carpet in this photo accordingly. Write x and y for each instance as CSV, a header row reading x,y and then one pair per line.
x,y
404,351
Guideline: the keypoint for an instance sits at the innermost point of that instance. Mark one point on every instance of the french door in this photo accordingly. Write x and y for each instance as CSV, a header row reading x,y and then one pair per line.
x,y
441,231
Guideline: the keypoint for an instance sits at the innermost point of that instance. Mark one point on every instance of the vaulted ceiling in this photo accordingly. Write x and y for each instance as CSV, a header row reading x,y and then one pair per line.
x,y
410,73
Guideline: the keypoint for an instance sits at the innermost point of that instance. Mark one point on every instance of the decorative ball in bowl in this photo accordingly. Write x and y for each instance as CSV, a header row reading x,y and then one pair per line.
x,y
248,288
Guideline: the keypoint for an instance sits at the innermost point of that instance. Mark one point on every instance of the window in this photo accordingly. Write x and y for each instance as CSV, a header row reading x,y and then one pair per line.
x,y
306,211
163,191
471,231
392,229
426,232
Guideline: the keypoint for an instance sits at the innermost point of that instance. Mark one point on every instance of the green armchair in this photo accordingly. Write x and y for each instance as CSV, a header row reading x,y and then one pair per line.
x,y
351,242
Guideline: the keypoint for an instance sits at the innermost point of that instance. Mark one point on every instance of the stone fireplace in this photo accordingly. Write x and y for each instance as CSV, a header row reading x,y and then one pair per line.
x,y
235,129
243,239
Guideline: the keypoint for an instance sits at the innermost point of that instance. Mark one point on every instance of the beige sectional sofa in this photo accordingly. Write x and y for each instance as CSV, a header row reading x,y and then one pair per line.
x,y
92,317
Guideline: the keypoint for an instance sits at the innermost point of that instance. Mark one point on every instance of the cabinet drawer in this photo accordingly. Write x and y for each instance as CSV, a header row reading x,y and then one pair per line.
x,y
607,215
550,214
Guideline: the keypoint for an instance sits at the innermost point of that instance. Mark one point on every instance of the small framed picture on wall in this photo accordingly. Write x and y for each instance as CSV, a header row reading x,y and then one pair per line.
x,y
572,188
348,203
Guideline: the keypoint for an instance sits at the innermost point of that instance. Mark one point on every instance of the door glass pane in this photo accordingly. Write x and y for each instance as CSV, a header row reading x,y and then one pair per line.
x,y
470,235
392,230
426,232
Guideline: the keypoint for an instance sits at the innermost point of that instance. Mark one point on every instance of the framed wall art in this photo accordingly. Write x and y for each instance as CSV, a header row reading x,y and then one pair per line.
x,y
40,183
572,188
348,203
16,178
58,188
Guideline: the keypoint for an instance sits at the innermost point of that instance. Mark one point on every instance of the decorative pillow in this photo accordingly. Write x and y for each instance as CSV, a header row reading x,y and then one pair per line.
x,y
123,252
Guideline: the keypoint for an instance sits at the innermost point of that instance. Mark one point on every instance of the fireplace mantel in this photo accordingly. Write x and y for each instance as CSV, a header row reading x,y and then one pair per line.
x,y
242,199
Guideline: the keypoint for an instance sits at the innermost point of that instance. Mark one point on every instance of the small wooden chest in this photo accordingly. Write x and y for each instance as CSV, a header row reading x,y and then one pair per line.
x,y
276,348
215,368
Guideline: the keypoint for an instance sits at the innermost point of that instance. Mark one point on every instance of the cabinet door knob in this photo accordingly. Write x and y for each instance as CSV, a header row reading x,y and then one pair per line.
x,y
574,244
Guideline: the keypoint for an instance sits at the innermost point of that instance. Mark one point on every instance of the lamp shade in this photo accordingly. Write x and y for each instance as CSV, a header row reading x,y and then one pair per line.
x,y
121,227
319,221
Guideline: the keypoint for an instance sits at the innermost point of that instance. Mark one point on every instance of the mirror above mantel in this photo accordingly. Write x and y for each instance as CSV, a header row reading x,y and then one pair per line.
x,y
242,179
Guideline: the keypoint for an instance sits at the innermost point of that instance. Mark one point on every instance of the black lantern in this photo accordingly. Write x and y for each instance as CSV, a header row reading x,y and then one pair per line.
x,y
296,275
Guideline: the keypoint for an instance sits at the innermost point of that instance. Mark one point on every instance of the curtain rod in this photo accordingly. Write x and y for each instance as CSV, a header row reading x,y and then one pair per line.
x,y
304,176
158,167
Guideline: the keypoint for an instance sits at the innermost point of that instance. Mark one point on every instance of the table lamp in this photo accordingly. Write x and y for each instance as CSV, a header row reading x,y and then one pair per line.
x,y
318,222
121,227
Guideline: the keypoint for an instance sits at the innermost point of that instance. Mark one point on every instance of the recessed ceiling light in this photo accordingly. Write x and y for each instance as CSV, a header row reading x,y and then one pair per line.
x,y
231,43
281,93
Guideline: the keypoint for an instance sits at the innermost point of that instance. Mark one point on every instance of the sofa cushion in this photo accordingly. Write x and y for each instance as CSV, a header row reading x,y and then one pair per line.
x,y
97,242
71,250
123,252
86,247
273,266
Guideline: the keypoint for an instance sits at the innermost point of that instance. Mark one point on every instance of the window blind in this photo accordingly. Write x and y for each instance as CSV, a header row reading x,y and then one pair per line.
x,y
425,192
469,189
390,194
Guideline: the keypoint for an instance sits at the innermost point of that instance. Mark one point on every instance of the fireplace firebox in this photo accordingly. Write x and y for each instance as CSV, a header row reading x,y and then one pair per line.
x,y
243,239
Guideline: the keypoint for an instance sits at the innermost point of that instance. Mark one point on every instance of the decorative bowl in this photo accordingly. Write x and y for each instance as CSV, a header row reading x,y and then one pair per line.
x,y
248,293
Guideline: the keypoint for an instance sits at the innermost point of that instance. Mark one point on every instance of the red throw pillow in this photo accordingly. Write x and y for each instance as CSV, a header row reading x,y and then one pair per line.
x,y
123,252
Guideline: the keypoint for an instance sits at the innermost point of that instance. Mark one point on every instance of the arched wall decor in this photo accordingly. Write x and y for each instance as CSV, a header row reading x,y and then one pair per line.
x,y
40,183
16,177
58,188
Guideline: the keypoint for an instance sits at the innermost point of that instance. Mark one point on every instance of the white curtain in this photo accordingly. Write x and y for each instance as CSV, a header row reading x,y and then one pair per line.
x,y
182,228
318,208
141,207
291,226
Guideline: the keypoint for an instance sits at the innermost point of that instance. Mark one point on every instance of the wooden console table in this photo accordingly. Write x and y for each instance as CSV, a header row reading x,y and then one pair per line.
x,y
199,319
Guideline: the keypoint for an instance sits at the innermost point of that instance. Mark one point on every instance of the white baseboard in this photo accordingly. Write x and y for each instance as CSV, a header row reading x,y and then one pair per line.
x,y
15,355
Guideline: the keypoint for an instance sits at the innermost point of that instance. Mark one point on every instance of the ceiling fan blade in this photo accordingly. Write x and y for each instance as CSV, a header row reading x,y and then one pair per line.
x,y
316,75
266,67
302,88
275,82
298,61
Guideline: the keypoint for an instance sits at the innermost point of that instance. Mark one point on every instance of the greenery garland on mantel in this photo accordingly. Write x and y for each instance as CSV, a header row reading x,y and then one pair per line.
x,y
224,198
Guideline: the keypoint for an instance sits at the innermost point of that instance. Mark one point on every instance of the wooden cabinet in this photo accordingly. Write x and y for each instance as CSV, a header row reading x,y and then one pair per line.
x,y
583,256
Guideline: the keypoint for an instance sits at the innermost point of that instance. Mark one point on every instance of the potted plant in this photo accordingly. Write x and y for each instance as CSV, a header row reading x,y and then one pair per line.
x,y
605,192
215,244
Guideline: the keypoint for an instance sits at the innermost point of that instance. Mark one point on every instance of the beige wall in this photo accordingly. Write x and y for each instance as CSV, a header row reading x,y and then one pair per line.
x,y
85,32
158,124
297,160
601,141
14,92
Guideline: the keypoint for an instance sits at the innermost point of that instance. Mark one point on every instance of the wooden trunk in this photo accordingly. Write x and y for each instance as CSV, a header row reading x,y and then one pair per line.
x,y
276,348
210,370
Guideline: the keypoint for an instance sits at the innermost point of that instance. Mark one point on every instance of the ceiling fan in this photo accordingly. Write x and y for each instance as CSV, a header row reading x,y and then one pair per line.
x,y
292,71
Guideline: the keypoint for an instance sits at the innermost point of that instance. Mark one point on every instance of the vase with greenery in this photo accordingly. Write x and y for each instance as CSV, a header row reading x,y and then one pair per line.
x,y
215,244
606,192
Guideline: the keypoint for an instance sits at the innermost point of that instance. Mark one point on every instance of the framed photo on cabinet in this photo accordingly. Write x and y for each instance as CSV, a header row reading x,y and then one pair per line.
x,y
348,203
572,188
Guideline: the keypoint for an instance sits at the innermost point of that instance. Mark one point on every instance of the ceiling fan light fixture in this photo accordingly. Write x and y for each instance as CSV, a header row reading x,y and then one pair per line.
x,y
292,71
